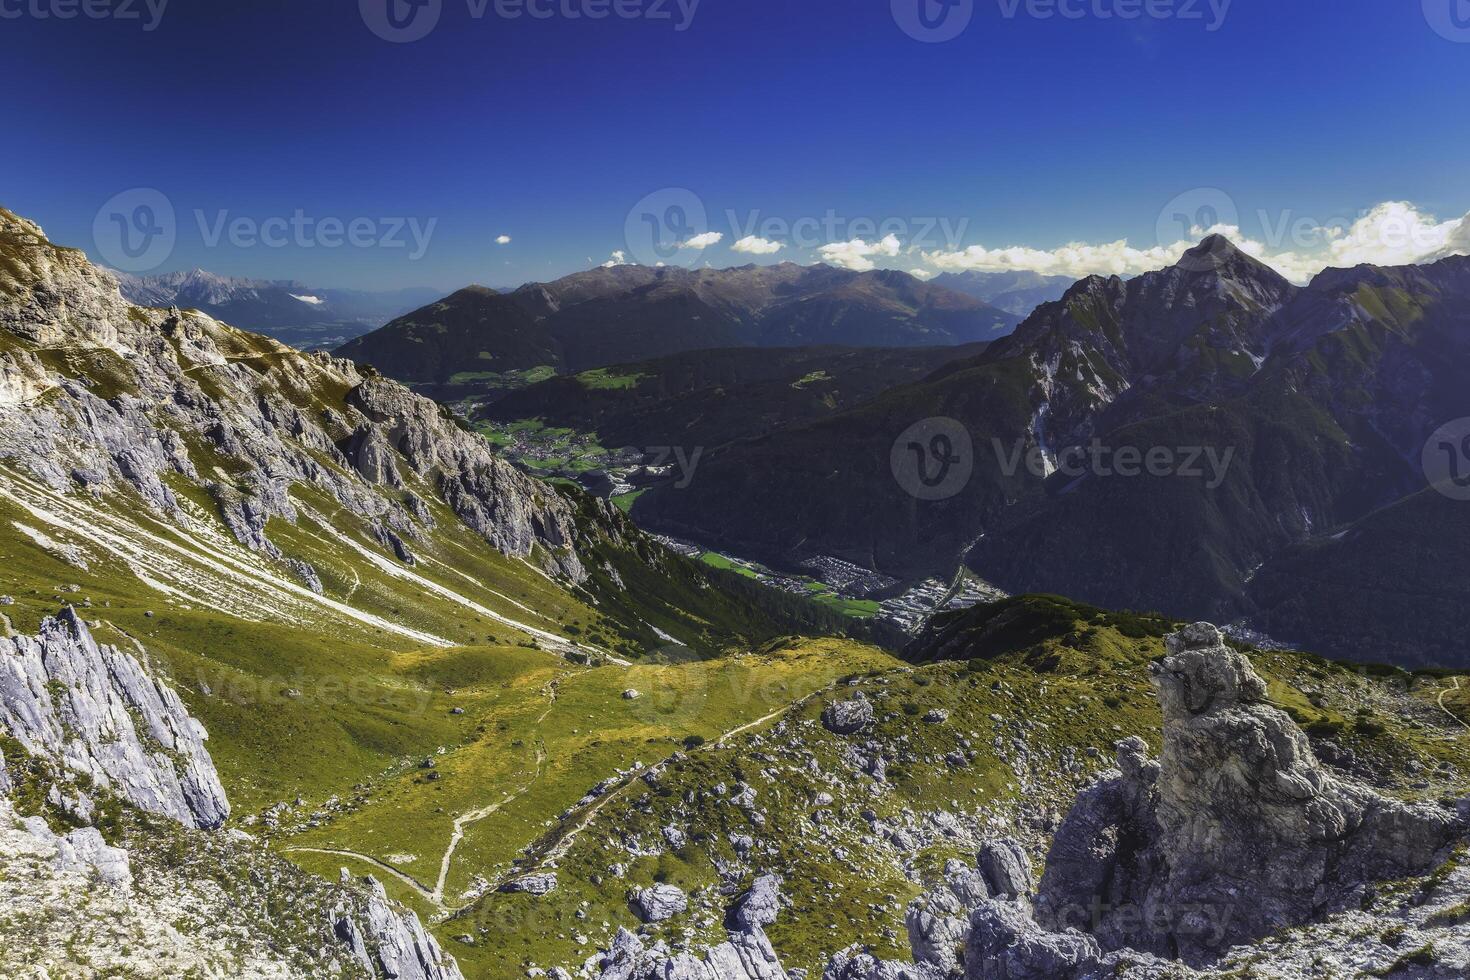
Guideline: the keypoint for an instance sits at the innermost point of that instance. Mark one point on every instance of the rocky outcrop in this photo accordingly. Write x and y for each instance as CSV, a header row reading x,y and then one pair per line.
x,y
848,717
83,851
536,884
96,711
760,906
168,393
1235,833
4,777
659,902
746,955
389,941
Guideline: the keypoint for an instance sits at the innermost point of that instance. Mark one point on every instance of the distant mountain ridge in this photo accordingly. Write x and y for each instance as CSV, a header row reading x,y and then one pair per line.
x,y
285,310
1017,292
624,314
1315,402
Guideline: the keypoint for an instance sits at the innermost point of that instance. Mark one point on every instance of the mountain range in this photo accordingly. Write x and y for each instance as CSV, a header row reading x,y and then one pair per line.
x,y
300,678
1295,414
478,340
1017,292
290,312
702,399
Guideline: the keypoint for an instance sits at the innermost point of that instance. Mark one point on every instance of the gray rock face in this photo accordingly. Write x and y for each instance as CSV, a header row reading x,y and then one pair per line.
x,y
537,884
1006,867
4,777
184,378
1235,833
659,903
83,850
747,955
388,941
760,906
96,711
848,717
938,922
857,964
1006,944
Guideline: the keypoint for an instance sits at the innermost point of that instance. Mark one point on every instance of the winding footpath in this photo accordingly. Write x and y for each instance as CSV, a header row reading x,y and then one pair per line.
x,y
1447,711
560,845
557,843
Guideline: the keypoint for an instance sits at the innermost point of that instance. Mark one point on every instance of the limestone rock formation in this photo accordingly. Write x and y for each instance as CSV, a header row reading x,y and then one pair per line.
x,y
659,902
95,710
172,381
848,717
1236,832
760,906
388,941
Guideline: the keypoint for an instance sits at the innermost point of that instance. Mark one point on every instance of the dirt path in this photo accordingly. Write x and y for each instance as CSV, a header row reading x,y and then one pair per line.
x,y
1447,711
475,816
557,850
461,824
407,879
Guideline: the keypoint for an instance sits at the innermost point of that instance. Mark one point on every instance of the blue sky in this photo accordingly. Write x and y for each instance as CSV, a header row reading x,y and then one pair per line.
x,y
1022,131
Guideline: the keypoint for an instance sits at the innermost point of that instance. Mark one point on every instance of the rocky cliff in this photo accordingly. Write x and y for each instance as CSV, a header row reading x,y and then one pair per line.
x,y
96,711
97,729
105,394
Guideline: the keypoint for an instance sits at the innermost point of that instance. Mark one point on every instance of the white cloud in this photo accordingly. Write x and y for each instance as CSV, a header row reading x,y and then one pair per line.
x,y
618,258
857,254
309,300
1397,233
751,245
503,240
924,274
1393,233
704,241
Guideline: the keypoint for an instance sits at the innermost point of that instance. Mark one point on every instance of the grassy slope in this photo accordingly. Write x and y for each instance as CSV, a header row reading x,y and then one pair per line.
x,y
1069,678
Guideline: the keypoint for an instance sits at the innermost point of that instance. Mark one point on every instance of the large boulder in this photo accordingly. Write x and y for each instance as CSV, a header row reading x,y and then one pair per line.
x,y
761,905
1006,868
659,903
1006,944
848,717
